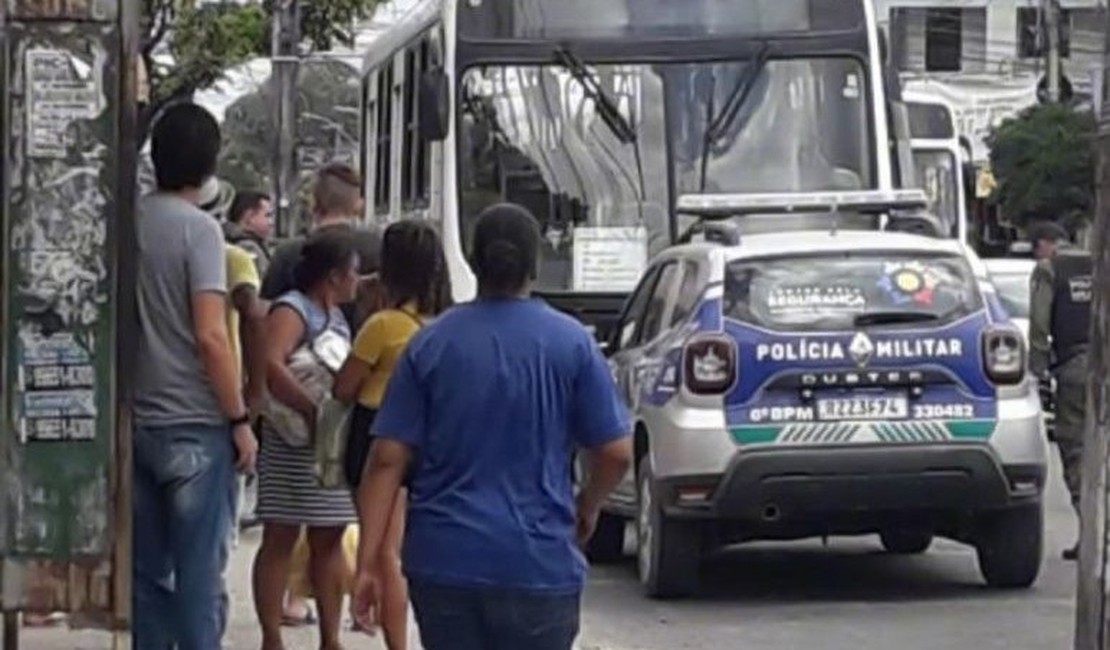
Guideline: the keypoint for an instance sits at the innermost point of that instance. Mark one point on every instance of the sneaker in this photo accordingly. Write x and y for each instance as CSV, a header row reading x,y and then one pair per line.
x,y
1071,554
50,619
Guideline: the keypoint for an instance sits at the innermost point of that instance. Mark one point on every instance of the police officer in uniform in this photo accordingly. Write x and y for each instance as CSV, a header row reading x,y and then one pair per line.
x,y
1060,318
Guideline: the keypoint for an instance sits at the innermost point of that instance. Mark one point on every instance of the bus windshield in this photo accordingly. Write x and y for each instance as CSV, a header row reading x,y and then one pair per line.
x,y
531,135
801,125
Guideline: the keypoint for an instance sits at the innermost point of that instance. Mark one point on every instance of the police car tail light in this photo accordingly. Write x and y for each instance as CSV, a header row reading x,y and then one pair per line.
x,y
1004,356
710,364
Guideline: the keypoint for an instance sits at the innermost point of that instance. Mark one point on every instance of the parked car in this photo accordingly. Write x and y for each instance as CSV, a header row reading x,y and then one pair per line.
x,y
823,382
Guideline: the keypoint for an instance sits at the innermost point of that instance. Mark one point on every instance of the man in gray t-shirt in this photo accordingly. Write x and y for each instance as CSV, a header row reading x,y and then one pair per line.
x,y
192,428
181,254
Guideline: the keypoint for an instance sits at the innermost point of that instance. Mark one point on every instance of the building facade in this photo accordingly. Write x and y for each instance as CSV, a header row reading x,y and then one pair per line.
x,y
992,37
987,57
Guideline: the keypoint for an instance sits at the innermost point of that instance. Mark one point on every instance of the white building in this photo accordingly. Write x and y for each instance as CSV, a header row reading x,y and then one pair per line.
x,y
987,56
991,36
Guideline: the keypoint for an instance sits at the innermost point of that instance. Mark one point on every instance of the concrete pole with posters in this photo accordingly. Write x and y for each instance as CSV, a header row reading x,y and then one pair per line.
x,y
286,73
68,154
1092,631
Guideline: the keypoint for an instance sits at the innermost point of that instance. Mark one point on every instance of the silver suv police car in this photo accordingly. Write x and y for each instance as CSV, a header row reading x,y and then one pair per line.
x,y
824,381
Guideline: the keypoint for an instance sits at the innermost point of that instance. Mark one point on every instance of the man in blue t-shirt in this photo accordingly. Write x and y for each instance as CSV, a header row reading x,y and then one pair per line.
x,y
487,406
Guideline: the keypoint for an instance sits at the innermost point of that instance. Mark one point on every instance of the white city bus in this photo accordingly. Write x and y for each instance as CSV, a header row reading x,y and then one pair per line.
x,y
598,114
938,158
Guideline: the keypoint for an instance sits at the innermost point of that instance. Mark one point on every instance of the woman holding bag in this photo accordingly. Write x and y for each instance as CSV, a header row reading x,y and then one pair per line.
x,y
304,324
415,286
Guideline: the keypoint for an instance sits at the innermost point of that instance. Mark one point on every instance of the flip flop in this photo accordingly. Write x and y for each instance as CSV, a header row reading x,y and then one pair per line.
x,y
53,619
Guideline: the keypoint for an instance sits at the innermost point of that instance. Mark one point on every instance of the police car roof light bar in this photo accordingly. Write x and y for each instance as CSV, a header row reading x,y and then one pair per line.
x,y
726,206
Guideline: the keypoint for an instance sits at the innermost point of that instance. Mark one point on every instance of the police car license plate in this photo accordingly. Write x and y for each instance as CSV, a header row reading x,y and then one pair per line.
x,y
863,408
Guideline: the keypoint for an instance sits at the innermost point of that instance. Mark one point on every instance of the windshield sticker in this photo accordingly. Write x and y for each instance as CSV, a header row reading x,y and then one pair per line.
x,y
909,282
810,299
851,87
609,259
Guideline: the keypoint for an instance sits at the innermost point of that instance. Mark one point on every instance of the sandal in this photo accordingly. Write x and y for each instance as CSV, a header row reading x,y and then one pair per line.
x,y
35,620
308,618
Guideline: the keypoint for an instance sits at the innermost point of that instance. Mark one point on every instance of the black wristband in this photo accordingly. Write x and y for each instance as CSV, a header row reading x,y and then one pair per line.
x,y
241,420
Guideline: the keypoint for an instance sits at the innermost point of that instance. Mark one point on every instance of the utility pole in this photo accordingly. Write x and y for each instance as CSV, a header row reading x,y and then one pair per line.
x,y
1051,13
286,72
1092,628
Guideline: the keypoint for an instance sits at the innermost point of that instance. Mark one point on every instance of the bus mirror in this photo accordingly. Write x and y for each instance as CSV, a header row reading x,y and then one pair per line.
x,y
435,106
970,175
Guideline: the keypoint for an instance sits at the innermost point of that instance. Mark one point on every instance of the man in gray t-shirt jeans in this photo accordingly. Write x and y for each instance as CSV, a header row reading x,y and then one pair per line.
x,y
192,428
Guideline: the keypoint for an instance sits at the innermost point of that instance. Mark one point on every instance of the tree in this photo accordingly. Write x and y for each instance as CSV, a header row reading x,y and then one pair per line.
x,y
328,101
188,44
1044,161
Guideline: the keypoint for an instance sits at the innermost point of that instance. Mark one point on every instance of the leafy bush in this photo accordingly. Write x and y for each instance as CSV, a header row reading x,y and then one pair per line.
x,y
1044,161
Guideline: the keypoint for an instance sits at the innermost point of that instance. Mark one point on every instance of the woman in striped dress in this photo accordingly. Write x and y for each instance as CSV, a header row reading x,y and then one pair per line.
x,y
289,496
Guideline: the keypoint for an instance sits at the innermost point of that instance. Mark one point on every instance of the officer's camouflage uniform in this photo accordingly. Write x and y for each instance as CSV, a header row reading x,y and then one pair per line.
x,y
1060,308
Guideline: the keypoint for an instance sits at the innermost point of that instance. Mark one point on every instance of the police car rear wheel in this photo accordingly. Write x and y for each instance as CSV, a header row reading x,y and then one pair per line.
x,y
902,541
607,544
1011,546
668,552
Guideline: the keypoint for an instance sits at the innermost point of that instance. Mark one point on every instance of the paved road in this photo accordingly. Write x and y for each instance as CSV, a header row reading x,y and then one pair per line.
x,y
846,596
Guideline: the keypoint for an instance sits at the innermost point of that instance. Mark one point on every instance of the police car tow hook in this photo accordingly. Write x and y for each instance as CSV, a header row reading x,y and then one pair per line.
x,y
771,513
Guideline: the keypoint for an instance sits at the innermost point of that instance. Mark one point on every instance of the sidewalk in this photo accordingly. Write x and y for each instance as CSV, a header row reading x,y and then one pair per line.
x,y
243,628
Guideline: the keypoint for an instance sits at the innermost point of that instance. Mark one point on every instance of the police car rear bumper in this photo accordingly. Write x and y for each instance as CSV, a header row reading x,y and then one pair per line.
x,y
782,484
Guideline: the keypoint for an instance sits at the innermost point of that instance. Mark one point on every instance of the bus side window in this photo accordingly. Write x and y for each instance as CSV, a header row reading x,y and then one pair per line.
x,y
416,170
383,179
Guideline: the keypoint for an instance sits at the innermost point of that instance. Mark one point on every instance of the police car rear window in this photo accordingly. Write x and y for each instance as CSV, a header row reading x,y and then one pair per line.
x,y
823,292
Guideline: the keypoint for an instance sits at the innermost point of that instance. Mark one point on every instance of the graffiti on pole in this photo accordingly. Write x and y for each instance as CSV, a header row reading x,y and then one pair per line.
x,y
58,292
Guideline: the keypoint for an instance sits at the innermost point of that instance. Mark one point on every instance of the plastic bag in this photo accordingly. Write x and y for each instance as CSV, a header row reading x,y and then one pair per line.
x,y
333,425
313,365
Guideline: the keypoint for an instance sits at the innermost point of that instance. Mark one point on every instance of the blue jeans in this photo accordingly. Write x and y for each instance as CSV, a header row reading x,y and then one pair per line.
x,y
183,504
459,618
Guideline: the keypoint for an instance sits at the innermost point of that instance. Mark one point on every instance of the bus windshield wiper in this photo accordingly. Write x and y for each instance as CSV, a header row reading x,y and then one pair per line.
x,y
606,107
737,98
610,113
893,318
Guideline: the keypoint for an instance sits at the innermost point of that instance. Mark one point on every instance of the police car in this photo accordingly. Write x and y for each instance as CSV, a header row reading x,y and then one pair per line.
x,y
830,377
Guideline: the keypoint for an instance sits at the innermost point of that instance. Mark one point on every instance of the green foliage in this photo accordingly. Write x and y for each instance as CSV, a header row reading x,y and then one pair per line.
x,y
331,21
205,43
1044,161
328,101
205,40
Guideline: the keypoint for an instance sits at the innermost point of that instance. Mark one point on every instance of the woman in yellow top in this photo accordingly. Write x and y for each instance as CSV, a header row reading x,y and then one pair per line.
x,y
415,289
